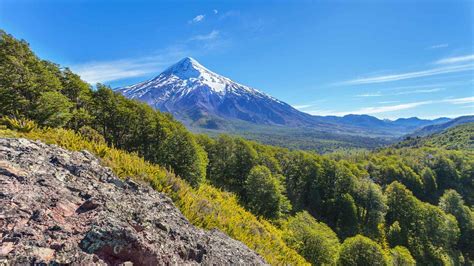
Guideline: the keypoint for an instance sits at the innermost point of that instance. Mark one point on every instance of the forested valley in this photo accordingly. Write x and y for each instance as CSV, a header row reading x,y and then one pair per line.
x,y
406,204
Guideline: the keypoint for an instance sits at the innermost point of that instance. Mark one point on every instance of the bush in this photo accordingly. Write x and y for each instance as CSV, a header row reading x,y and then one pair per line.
x,y
91,134
20,125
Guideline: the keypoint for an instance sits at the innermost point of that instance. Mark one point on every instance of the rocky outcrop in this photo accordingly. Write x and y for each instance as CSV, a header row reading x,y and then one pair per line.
x,y
58,206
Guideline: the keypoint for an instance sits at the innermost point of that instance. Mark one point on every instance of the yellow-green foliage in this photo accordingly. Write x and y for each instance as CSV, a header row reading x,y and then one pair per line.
x,y
400,256
206,206
22,125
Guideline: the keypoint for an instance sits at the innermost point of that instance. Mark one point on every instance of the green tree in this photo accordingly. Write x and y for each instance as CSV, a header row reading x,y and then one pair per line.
x,y
80,94
446,173
231,160
315,241
451,202
394,234
346,223
429,181
54,109
265,193
428,232
360,250
371,207
23,78
400,256
301,170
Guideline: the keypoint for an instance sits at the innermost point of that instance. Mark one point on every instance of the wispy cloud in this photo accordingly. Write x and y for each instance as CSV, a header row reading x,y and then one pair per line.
x,y
303,106
438,46
418,91
379,94
197,19
311,104
106,71
386,102
374,94
205,37
456,59
215,11
390,108
370,110
410,75
393,107
465,100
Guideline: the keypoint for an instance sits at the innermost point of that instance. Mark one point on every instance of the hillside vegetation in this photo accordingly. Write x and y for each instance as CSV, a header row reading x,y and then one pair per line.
x,y
456,138
393,206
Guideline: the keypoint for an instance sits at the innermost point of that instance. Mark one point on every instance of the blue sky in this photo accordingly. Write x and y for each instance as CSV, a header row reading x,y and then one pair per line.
x,y
384,58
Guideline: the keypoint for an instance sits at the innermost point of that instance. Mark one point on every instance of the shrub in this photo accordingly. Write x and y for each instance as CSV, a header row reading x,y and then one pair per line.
x,y
20,125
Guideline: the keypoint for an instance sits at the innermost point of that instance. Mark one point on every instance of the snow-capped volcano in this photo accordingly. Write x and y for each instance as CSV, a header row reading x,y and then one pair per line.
x,y
199,97
190,91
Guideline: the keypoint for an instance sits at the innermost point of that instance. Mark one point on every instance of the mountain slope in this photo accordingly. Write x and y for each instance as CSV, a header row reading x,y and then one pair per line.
x,y
191,92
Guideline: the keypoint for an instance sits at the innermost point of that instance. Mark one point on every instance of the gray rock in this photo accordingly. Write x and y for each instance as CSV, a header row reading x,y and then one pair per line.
x,y
58,206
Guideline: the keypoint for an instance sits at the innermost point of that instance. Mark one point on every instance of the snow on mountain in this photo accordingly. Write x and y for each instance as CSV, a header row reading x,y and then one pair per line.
x,y
199,97
190,91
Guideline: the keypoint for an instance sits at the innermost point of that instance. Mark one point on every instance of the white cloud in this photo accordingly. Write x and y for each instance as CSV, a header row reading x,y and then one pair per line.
x,y
303,106
418,91
379,94
465,100
325,112
437,46
385,102
197,19
215,11
204,37
106,71
411,75
457,59
370,110
389,108
375,94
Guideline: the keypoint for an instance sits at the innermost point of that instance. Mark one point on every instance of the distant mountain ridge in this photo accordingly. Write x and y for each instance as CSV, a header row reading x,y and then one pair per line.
x,y
201,98
436,128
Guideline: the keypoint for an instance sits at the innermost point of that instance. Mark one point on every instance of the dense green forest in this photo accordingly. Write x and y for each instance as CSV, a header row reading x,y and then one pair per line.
x,y
398,205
